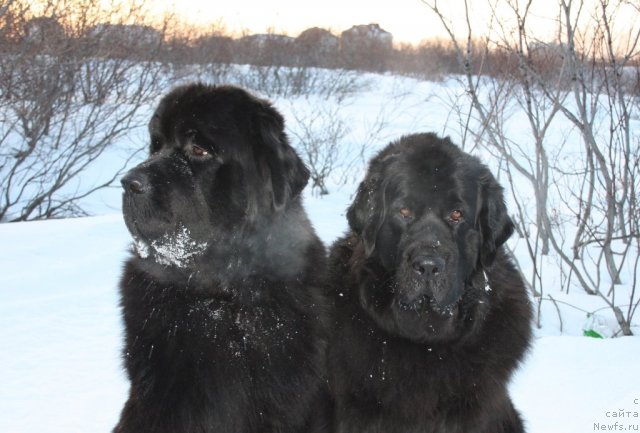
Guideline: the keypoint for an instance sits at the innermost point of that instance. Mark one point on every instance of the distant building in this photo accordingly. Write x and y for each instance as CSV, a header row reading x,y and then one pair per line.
x,y
44,32
214,49
317,47
366,47
266,49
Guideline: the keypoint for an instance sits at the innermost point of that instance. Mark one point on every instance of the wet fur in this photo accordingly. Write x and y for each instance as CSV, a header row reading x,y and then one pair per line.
x,y
409,366
229,336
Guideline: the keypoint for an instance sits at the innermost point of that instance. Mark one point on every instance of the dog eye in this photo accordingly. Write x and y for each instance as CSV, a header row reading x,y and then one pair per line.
x,y
198,151
406,213
455,216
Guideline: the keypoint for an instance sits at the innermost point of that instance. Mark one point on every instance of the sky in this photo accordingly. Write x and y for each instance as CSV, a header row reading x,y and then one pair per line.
x,y
408,20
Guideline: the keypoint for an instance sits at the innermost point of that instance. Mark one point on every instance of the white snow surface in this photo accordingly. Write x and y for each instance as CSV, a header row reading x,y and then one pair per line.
x,y
61,332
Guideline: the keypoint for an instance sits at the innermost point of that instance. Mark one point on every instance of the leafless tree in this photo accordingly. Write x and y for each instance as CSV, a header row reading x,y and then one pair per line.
x,y
334,144
590,87
70,87
318,136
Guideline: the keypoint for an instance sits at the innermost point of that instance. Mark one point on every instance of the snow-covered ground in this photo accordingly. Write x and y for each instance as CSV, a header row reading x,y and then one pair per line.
x,y
60,329
60,369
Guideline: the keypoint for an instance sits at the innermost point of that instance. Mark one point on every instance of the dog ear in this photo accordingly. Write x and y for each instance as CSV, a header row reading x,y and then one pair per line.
x,y
493,219
287,174
367,212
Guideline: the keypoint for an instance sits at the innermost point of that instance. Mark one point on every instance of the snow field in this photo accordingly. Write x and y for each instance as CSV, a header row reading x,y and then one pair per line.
x,y
60,328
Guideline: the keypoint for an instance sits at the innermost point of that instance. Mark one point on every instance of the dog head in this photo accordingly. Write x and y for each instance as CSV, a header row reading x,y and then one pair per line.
x,y
431,218
219,162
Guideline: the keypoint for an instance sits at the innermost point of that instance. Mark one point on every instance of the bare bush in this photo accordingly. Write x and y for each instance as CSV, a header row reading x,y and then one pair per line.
x,y
582,76
280,81
318,137
431,60
62,105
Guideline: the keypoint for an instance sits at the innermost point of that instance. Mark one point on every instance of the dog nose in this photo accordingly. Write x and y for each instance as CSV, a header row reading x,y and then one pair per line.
x,y
135,182
427,266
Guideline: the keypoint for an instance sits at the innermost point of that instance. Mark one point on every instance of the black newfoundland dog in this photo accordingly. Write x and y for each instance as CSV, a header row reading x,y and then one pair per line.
x,y
224,319
432,316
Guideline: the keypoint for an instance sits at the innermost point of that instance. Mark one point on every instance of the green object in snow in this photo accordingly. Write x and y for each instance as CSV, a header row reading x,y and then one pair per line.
x,y
591,333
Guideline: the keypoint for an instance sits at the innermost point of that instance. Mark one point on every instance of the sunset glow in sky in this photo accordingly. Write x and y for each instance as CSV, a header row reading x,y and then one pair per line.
x,y
408,20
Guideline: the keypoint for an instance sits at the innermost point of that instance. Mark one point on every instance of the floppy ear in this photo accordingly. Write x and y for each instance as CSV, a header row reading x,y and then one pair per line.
x,y
367,212
287,173
493,220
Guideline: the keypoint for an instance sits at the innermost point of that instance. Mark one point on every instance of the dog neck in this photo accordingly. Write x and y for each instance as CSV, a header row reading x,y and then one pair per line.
x,y
274,249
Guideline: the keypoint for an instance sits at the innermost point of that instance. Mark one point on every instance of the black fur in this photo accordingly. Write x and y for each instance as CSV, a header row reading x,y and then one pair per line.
x,y
224,321
421,343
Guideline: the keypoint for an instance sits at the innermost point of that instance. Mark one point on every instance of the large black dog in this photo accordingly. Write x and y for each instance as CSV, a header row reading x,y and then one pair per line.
x,y
432,316
224,318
